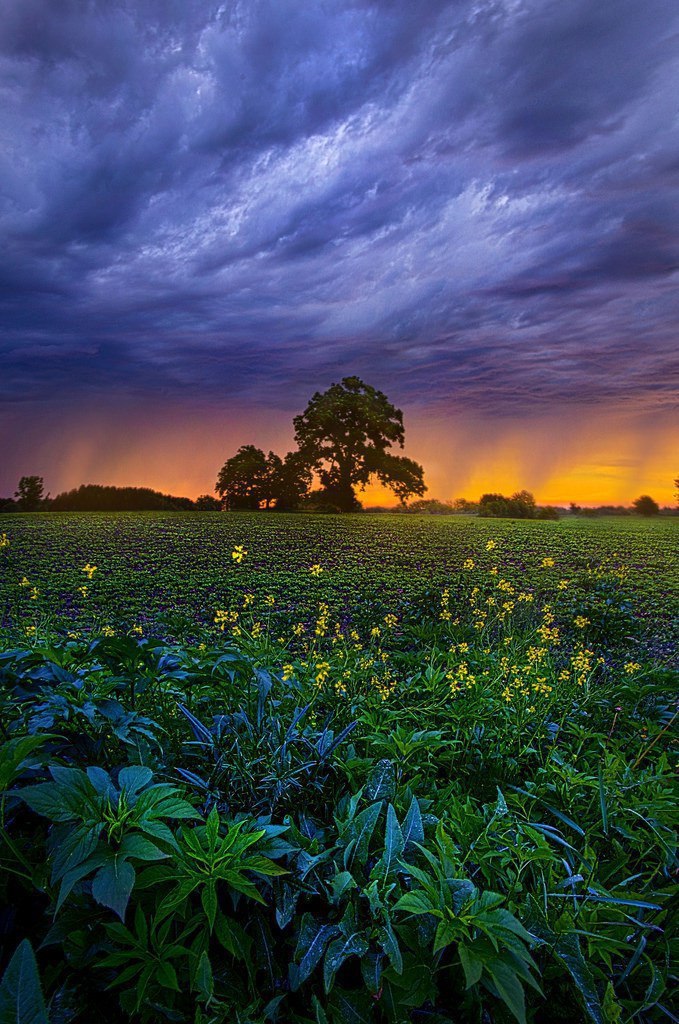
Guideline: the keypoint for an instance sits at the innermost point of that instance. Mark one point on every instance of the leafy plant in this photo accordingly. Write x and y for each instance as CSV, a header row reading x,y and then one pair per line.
x,y
102,827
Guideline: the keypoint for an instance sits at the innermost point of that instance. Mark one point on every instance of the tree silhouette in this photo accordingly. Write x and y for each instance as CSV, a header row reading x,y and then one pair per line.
x,y
242,479
646,506
345,433
30,494
251,479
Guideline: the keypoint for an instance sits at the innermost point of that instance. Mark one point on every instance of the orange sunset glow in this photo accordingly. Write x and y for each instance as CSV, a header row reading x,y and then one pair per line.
x,y
588,457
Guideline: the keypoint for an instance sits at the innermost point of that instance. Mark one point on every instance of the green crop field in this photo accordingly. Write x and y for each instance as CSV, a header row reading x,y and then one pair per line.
x,y
307,769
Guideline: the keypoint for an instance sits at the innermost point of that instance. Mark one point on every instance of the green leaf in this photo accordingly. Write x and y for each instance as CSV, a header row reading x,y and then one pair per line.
x,y
359,833
509,988
602,802
339,951
233,938
113,884
446,933
393,846
612,1009
167,976
315,940
21,999
342,882
390,945
134,778
212,827
204,979
140,848
14,753
208,898
471,965
412,828
47,799
382,783
569,953
416,902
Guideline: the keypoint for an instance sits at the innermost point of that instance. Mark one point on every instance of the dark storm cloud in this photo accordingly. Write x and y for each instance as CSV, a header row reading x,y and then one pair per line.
x,y
472,202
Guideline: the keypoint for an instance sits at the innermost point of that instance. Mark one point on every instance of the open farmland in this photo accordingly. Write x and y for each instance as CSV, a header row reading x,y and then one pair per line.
x,y
356,768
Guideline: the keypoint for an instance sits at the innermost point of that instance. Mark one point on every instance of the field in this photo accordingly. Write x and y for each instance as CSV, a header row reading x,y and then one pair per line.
x,y
267,767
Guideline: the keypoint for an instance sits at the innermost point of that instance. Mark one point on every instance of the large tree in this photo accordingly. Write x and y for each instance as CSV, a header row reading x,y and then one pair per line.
x,y
345,434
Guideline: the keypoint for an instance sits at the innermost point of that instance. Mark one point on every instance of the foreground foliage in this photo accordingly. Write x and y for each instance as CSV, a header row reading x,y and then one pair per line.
x,y
456,803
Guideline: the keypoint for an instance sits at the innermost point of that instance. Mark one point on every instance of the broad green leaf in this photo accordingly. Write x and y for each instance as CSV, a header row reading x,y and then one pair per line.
x,y
142,849
208,898
471,965
204,979
412,828
338,951
314,949
568,951
387,938
446,933
509,988
113,884
167,976
393,846
359,833
21,999
416,902
134,778
382,783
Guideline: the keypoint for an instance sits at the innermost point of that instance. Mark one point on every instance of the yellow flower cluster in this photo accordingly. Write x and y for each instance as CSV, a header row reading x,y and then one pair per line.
x,y
224,618
238,553
323,619
631,667
316,570
581,664
89,570
460,678
322,673
385,687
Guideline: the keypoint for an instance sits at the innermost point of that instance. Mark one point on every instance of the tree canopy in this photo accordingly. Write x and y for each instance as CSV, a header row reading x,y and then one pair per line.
x,y
250,479
345,434
521,505
646,506
30,493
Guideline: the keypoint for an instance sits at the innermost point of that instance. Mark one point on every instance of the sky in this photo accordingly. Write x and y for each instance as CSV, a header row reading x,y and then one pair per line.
x,y
209,211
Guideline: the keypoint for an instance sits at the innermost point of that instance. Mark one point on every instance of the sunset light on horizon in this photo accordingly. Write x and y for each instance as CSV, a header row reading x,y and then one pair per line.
x,y
213,210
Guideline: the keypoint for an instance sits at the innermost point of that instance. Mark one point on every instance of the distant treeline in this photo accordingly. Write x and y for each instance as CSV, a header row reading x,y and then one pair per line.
x,y
101,498
30,497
